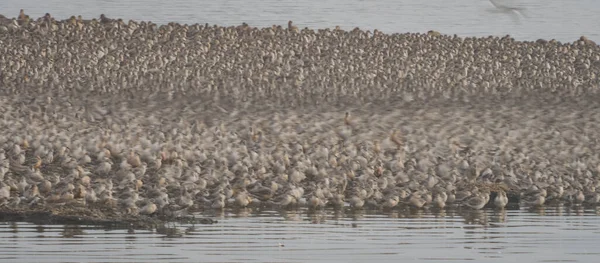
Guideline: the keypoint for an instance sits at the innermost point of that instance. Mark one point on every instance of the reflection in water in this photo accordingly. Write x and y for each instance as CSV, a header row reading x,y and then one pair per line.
x,y
291,215
39,229
130,234
169,231
72,231
13,228
317,216
498,216
548,234
476,217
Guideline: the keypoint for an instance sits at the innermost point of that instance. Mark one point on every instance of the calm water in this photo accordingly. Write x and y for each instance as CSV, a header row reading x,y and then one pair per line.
x,y
559,19
554,234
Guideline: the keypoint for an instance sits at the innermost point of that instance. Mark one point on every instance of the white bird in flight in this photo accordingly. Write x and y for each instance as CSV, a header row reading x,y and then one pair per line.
x,y
515,12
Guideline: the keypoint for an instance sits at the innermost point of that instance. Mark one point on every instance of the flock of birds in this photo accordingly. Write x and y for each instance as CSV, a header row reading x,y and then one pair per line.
x,y
148,119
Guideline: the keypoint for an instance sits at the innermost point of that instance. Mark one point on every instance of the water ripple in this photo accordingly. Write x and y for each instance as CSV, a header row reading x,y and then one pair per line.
x,y
266,236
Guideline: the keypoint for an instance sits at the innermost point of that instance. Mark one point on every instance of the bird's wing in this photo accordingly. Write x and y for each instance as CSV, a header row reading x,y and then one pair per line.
x,y
498,5
494,3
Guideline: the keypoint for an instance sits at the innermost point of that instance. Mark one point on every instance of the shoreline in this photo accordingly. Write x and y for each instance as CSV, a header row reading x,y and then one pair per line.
x,y
95,216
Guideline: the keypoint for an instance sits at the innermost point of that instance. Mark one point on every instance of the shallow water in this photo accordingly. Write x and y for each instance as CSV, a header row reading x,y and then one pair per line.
x,y
553,234
562,20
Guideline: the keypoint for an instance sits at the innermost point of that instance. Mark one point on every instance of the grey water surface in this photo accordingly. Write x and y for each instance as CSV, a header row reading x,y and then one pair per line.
x,y
551,234
548,19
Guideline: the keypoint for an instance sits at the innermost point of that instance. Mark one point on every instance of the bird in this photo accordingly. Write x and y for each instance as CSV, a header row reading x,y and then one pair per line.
x,y
104,19
515,12
149,208
22,15
439,200
535,200
347,119
415,200
501,199
390,202
478,201
291,27
356,202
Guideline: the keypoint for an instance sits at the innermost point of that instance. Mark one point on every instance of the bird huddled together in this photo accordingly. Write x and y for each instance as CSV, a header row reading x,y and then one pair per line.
x,y
146,119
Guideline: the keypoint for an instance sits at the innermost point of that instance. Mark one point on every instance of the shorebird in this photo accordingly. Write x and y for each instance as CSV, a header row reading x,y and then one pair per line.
x,y
514,12
478,201
149,208
501,199
534,199
505,8
291,27
22,15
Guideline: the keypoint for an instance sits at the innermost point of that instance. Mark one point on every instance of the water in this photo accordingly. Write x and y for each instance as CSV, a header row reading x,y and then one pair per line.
x,y
553,234
562,20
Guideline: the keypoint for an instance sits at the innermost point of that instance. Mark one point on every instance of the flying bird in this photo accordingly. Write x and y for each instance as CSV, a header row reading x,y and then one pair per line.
x,y
514,12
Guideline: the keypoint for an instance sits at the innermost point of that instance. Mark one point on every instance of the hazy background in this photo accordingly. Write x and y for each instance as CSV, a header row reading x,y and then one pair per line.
x,y
559,19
